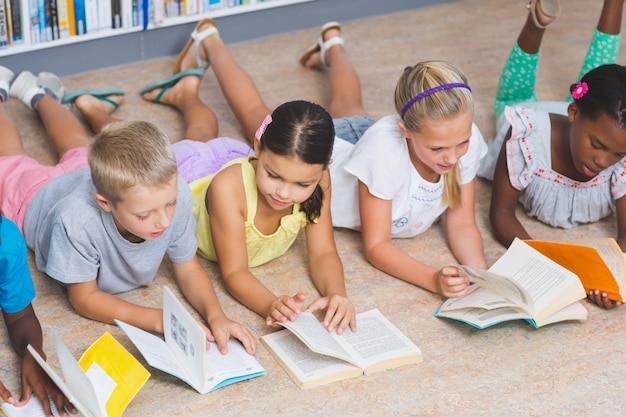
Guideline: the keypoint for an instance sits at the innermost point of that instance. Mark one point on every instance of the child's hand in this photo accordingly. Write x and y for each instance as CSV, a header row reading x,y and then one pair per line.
x,y
339,312
285,308
452,282
222,329
34,379
602,299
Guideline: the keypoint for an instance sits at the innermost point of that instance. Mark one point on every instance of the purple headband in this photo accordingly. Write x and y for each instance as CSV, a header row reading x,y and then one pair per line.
x,y
431,91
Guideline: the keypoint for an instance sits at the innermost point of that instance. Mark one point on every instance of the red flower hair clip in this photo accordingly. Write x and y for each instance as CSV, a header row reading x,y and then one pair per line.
x,y
580,90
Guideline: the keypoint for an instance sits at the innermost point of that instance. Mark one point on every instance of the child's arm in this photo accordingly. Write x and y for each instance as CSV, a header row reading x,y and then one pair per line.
x,y
599,297
327,270
226,203
89,301
24,329
504,200
463,234
384,255
196,285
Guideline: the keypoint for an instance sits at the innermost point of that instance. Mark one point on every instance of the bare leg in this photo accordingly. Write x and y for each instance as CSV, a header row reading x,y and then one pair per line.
x,y
10,140
611,17
529,39
64,130
237,86
345,86
200,121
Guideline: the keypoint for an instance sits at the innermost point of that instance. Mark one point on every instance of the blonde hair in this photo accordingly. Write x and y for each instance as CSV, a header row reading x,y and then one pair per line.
x,y
128,154
434,108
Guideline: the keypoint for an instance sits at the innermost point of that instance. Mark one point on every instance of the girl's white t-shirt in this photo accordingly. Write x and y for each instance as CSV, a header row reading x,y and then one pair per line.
x,y
380,160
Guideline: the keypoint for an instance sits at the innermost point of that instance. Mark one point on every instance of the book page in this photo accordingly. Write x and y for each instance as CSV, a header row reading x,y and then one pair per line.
x,y
543,279
316,337
237,364
33,408
186,339
65,389
306,368
377,341
76,379
483,298
480,317
154,350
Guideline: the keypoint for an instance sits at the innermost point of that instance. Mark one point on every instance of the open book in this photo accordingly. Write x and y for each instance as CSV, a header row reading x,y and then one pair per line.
x,y
184,353
522,284
32,409
101,384
312,356
599,263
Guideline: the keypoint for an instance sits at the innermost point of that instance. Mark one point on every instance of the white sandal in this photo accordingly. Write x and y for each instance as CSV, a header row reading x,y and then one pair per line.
x,y
550,8
321,46
195,39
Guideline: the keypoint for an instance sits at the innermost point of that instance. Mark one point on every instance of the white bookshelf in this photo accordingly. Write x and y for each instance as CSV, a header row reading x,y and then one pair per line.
x,y
28,46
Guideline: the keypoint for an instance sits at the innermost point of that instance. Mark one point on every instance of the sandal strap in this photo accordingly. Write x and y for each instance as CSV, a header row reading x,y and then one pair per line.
x,y
325,46
198,37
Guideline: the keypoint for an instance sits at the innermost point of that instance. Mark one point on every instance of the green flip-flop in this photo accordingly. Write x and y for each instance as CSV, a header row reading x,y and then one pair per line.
x,y
169,82
99,94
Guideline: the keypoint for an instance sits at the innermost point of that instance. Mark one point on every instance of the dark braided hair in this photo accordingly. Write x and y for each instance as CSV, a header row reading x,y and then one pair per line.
x,y
606,93
304,130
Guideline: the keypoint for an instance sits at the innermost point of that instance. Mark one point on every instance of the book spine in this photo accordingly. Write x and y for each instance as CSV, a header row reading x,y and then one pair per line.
x,y
52,14
33,13
7,6
116,14
4,29
105,14
136,13
41,10
126,13
63,17
79,17
16,21
91,16
71,18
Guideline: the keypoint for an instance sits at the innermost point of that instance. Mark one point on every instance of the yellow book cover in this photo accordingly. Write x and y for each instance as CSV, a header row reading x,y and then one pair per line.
x,y
122,367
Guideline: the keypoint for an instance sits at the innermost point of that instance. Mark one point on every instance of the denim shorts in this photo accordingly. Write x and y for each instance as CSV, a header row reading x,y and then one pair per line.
x,y
352,128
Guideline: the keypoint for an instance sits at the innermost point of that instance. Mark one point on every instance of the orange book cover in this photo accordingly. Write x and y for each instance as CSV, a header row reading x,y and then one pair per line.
x,y
599,263
71,17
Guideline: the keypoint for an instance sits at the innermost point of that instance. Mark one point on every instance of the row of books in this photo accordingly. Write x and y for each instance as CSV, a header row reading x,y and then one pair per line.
x,y
49,20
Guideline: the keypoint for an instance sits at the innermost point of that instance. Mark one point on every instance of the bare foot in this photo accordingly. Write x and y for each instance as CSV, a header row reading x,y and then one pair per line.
x,y
178,94
316,59
88,104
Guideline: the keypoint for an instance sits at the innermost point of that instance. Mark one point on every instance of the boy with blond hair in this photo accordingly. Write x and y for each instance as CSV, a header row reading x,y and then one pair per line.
x,y
102,224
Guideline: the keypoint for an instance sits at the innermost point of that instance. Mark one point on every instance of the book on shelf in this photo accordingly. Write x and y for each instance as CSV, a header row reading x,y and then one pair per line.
x,y
183,354
522,285
52,14
91,16
126,14
101,384
4,28
80,17
63,18
105,14
599,263
313,356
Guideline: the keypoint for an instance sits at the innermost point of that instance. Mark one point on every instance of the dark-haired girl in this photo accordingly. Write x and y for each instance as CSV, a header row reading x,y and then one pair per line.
x,y
251,210
564,162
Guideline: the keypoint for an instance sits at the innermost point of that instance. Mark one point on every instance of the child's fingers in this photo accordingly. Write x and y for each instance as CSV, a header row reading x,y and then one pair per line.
x,y
6,394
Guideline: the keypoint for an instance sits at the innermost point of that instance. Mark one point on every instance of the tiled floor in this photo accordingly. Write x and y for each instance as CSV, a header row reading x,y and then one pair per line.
x,y
511,369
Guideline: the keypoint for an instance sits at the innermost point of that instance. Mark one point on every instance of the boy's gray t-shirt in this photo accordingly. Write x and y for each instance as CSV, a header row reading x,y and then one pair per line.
x,y
76,241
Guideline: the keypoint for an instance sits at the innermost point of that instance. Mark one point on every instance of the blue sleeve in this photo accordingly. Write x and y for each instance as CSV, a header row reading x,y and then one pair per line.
x,y
16,284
